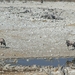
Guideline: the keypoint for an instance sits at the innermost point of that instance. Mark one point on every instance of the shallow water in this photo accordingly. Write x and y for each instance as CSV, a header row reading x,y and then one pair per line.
x,y
42,62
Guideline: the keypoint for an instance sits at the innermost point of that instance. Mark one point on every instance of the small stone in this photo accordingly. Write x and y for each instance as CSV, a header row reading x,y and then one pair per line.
x,y
41,70
2,54
6,67
34,66
51,54
50,50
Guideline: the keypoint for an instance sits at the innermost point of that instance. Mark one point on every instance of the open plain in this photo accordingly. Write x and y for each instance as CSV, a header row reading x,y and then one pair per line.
x,y
34,30
37,30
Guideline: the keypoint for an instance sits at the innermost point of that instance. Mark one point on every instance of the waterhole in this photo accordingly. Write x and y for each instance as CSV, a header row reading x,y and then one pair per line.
x,y
41,62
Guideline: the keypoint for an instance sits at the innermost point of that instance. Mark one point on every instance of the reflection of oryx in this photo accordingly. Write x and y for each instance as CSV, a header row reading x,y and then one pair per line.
x,y
2,41
69,43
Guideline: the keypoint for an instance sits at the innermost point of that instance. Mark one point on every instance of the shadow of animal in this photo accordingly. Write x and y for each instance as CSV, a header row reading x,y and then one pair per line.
x,y
2,41
69,43
4,47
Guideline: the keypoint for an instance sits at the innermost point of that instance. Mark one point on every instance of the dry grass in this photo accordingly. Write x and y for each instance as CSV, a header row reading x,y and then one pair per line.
x,y
71,25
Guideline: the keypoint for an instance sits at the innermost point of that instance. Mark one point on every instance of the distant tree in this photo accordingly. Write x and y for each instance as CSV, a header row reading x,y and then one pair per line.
x,y
7,0
41,1
1,0
25,1
12,1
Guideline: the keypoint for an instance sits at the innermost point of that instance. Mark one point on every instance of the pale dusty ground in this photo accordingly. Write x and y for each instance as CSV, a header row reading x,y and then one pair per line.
x,y
25,73
29,35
